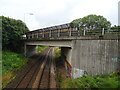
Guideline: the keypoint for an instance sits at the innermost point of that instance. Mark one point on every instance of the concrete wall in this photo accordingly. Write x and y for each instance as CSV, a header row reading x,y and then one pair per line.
x,y
67,53
59,43
95,56
30,50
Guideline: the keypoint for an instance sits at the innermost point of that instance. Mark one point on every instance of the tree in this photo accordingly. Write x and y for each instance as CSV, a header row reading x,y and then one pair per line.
x,y
115,28
91,22
12,31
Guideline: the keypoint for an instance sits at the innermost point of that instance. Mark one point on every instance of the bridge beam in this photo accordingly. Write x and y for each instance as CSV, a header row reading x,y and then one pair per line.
x,y
59,43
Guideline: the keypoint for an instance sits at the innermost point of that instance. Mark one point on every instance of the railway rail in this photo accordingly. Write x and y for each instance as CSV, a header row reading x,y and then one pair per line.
x,y
38,74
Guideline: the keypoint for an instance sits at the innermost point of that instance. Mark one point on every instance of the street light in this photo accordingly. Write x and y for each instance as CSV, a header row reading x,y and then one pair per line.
x,y
28,14
24,36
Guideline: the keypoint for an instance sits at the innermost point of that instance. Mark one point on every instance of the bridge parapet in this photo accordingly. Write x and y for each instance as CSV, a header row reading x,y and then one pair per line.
x,y
65,31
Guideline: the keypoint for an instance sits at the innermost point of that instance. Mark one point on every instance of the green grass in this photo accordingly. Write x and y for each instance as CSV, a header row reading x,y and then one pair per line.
x,y
104,81
11,62
57,52
41,48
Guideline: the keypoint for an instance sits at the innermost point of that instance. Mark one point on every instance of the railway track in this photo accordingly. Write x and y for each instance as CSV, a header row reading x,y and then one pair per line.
x,y
38,74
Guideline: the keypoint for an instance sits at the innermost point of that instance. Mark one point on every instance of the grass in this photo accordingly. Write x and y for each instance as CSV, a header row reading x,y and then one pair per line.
x,y
104,81
57,51
11,62
41,48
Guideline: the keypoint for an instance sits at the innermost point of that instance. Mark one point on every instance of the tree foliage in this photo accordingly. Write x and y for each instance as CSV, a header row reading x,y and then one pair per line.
x,y
12,31
92,22
115,28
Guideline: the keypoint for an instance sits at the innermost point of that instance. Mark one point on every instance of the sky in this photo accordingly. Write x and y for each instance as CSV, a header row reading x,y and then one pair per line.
x,y
47,13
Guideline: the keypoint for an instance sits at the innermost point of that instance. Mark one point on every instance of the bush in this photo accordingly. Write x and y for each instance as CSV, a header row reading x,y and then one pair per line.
x,y
103,81
12,31
41,48
11,62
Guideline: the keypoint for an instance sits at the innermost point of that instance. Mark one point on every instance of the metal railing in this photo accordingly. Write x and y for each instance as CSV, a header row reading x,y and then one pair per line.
x,y
66,30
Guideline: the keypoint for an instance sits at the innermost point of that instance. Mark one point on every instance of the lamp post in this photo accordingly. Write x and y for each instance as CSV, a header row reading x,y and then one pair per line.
x,y
25,16
28,14
24,33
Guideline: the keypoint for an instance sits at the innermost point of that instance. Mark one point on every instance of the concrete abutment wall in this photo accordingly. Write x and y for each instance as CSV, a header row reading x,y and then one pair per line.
x,y
96,57
66,52
30,50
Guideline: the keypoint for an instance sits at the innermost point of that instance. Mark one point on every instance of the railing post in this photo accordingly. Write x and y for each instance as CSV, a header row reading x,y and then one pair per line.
x,y
37,34
103,31
70,32
108,31
50,34
32,35
59,33
43,33
29,36
84,33
78,32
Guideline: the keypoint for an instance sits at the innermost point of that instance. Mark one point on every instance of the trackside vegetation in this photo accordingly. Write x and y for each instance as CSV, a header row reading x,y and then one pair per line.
x,y
41,48
11,63
111,80
57,53
12,31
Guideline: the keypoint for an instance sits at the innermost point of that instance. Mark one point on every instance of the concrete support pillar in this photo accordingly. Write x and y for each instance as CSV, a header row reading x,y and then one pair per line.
x,y
30,50
66,53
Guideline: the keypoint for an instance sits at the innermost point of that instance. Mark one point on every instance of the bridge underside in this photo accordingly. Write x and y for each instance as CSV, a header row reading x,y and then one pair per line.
x,y
59,43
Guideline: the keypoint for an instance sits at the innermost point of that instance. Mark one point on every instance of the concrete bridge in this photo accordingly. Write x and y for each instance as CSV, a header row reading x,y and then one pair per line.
x,y
96,54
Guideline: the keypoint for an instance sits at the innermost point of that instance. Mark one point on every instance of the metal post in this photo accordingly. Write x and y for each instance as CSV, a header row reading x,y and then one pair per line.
x,y
32,36
78,32
84,32
50,34
70,32
25,19
103,31
25,50
43,33
59,33
27,36
108,31
37,34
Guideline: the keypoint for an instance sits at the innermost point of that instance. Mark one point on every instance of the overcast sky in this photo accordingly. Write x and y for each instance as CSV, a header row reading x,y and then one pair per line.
x,y
55,12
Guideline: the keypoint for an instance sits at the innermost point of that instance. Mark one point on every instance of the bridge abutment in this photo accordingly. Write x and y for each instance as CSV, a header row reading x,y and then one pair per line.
x,y
66,52
95,56
30,50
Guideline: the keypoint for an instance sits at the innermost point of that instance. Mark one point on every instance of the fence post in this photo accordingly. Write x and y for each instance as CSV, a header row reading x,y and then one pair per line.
x,y
103,31
84,33
70,32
